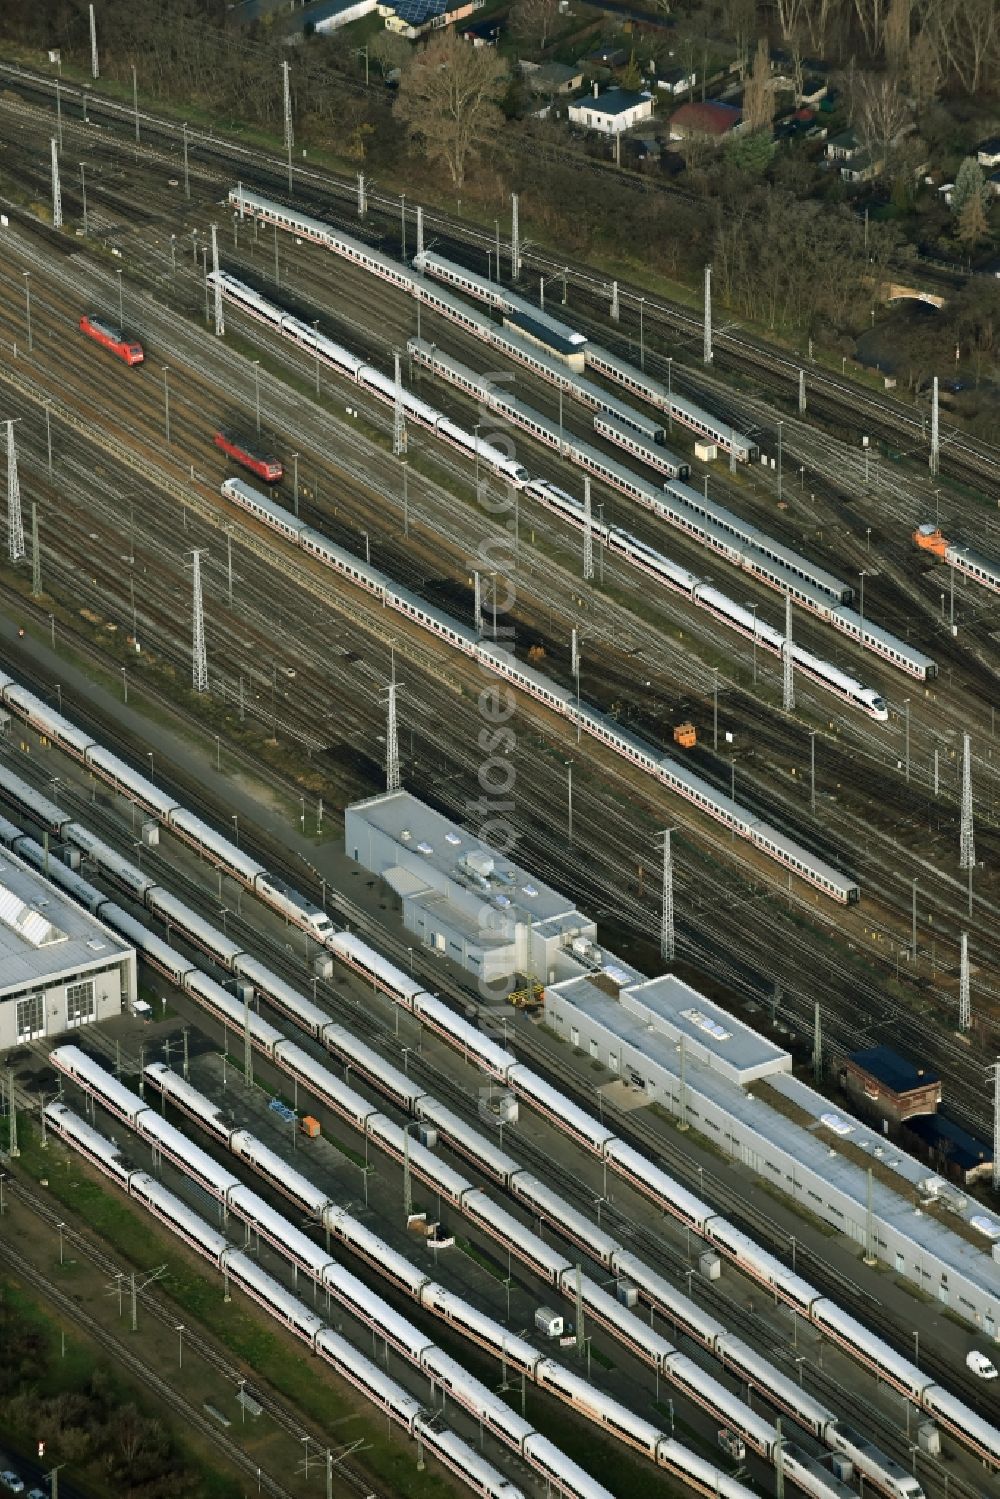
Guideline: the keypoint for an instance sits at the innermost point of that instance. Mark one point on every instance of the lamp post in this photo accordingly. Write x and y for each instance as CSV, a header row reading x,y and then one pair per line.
x,y
780,425
256,387
27,306
166,401
642,344
121,305
754,608
861,607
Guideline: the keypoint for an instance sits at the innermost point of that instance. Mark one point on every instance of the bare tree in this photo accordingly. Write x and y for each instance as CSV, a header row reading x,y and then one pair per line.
x,y
740,18
871,16
533,21
925,71
898,24
968,35
819,17
448,99
972,227
389,50
758,96
879,112
790,14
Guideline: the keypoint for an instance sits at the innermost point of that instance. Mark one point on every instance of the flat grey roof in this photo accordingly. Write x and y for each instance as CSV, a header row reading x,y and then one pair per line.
x,y
44,934
814,1146
441,845
652,1014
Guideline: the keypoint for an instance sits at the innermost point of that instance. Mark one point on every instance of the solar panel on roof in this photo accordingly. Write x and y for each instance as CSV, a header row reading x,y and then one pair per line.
x,y
417,12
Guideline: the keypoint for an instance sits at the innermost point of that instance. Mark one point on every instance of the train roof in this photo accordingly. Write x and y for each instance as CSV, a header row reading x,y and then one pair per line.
x,y
243,1268
113,765
659,393
248,1148
968,556
549,326
352,947
545,330
84,1134
320,228
211,840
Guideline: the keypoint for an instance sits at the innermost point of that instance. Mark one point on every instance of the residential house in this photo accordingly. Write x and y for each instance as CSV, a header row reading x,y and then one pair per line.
x,y
610,113
675,81
854,163
712,118
988,152
607,57
553,78
413,18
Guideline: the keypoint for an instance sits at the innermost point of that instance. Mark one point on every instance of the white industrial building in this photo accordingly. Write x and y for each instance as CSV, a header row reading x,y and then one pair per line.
x,y
460,896
669,1045
60,968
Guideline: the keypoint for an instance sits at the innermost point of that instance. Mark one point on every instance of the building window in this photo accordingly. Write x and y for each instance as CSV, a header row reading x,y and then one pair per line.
x,y
80,1003
31,1017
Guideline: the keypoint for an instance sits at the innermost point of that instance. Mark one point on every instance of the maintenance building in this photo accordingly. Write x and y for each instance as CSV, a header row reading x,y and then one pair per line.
x,y
460,896
60,968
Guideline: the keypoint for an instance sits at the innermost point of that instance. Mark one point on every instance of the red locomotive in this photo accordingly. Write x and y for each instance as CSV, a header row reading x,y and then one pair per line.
x,y
110,338
240,452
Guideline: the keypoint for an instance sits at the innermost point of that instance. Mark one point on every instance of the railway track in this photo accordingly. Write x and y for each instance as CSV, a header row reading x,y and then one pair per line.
x,y
162,1390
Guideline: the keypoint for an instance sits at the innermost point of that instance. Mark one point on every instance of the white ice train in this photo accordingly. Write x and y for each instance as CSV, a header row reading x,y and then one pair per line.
x,y
500,1063
383,386
773,563
691,521
330,1276
243,1271
638,553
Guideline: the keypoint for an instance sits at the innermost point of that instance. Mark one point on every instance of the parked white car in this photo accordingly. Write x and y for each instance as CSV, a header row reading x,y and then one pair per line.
x,y
980,1365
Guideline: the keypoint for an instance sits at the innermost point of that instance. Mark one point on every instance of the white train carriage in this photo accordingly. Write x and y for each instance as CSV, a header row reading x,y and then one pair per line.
x,y
46,721
601,1306
189,1100
226,1008
655,1183
245,1272
365,1060
151,949
970,1427
113,769
811,1476
275,1169
384,1393
510,1231
472,1469
898,653
376,1314
429,263
387,1261
40,807
665,1298
320,1081
98,1149
178,1217
261,508
807,865
516,1352
974,565
168,1141
688,1377
321,233
889,1476
551,1207
559,1109
466,1140
93,1079
449,1184
447,1373
491,1056
682,410
217,848
276,1229
379,972
293,905
637,442
758,1373
751,536
279,993
602,1409
174,913
761,1265
112,865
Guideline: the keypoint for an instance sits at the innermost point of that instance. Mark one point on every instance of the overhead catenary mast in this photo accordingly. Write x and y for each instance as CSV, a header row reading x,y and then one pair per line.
x,y
199,657
56,192
95,71
15,527
220,320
